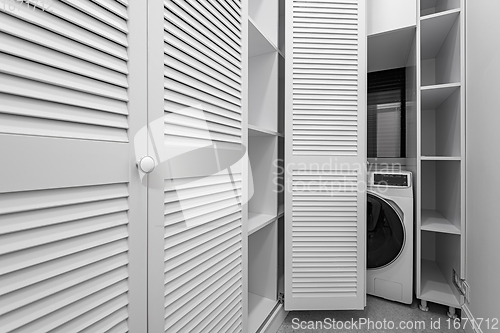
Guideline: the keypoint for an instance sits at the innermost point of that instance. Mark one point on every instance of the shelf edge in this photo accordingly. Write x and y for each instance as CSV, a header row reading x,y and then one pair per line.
x,y
441,158
441,86
444,13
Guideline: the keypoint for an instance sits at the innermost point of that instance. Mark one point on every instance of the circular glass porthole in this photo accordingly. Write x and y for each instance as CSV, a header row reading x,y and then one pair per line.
x,y
385,232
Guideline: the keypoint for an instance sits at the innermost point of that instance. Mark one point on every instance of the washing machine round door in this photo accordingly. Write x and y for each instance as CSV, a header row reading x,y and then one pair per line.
x,y
385,232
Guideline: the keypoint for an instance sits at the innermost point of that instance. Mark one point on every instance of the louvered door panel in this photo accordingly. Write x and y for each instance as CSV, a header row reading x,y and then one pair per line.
x,y
64,195
325,89
326,152
200,248
324,234
51,89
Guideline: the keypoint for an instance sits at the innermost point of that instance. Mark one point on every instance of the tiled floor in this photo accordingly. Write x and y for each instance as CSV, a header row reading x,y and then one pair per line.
x,y
372,318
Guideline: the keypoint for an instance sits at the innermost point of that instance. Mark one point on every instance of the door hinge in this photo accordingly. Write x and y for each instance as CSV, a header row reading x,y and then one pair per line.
x,y
461,285
281,298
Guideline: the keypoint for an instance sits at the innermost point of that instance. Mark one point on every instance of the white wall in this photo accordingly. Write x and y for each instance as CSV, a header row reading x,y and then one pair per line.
x,y
483,157
386,15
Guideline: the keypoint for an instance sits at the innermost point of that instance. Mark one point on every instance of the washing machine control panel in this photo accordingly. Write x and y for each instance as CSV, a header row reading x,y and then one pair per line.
x,y
391,179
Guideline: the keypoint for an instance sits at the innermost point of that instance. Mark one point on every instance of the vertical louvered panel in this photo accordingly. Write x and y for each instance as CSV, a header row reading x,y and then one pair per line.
x,y
324,234
63,253
64,209
326,154
63,73
325,77
202,207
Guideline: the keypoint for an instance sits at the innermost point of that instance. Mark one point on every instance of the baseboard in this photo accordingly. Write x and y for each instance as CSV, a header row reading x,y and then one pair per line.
x,y
275,320
468,327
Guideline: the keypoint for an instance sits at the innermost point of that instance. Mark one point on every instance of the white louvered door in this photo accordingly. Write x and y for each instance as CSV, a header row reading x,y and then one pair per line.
x,y
72,210
195,215
325,149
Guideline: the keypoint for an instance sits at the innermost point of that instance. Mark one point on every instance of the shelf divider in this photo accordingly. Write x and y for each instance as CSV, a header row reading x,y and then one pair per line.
x,y
434,221
434,95
441,158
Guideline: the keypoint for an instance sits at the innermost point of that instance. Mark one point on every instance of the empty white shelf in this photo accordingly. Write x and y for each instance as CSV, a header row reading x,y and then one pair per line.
x,y
258,44
258,221
434,285
433,31
258,309
434,221
433,96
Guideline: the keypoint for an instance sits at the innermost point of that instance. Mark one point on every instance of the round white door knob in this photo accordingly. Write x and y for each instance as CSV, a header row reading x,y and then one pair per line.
x,y
146,164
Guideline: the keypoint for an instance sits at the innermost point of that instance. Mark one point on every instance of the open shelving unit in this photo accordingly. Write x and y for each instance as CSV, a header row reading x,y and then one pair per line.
x,y
265,137
440,222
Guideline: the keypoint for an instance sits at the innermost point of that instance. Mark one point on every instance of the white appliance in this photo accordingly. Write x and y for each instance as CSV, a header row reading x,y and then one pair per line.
x,y
390,235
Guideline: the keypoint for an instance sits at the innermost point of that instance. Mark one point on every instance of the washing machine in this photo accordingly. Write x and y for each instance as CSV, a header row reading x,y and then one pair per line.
x,y
389,235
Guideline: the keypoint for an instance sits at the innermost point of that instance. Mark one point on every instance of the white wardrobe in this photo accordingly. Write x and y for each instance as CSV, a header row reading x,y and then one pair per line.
x,y
73,93
90,242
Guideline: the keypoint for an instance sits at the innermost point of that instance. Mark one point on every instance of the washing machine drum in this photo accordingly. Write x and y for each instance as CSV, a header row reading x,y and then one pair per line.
x,y
385,232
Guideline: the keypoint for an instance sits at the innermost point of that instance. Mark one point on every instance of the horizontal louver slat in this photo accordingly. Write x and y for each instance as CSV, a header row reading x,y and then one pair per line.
x,y
43,254
37,273
33,293
30,51
28,107
50,39
36,72
115,322
93,37
99,319
109,15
